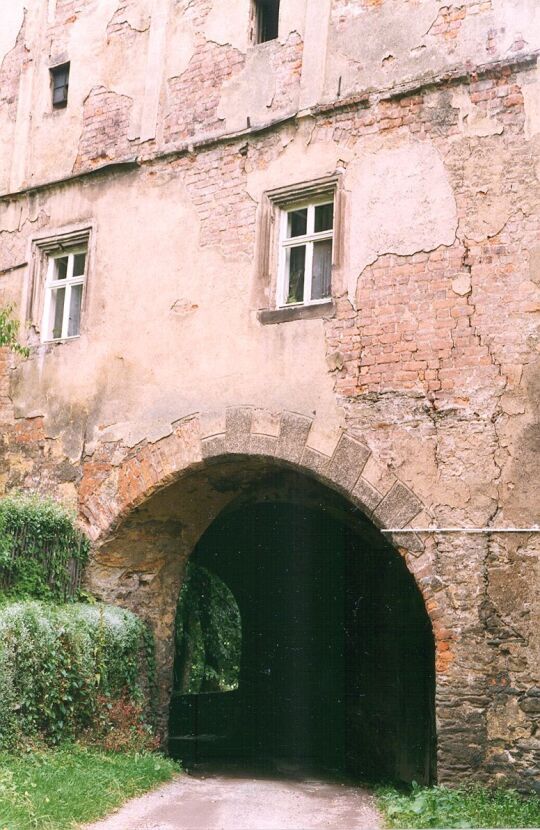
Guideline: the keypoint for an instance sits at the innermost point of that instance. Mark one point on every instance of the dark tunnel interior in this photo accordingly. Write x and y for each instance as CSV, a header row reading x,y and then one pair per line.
x,y
337,656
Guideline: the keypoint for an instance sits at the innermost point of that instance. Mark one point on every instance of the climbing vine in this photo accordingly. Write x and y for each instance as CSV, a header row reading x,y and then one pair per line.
x,y
42,553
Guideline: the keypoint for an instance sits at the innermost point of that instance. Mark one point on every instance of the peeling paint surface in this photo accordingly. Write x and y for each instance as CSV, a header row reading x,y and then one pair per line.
x,y
415,392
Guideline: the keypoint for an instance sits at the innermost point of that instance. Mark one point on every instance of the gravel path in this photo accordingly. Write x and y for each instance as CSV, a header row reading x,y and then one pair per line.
x,y
236,801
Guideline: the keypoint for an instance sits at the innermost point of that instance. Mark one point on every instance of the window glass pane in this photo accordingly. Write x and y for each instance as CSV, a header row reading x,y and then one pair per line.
x,y
56,313
322,270
297,224
74,320
60,267
324,218
78,265
59,95
296,263
267,20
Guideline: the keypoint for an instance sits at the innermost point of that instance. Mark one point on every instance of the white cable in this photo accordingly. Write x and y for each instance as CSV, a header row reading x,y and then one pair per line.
x,y
534,529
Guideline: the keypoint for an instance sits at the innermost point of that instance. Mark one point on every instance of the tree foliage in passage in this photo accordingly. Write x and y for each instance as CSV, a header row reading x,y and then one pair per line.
x,y
208,635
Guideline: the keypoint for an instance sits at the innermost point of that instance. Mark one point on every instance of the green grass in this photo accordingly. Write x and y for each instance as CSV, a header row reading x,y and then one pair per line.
x,y
57,789
468,807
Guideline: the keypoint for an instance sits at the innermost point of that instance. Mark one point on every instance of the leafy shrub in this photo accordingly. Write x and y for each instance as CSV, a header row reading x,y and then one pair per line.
x,y
9,329
61,665
41,551
473,806
121,725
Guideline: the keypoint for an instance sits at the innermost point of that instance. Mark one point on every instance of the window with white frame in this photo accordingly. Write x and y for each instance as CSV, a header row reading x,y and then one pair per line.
x,y
64,289
305,253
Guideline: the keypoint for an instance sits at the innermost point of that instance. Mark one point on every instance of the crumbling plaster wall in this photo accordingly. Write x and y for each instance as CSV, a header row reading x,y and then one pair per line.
x,y
157,71
194,71
432,357
376,44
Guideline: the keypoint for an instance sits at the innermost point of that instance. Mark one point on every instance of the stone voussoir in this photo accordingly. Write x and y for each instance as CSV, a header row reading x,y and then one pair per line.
x,y
398,507
366,496
347,463
293,435
238,429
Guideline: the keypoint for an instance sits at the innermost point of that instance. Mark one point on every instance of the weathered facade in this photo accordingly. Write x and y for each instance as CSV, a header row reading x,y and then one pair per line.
x,y
414,391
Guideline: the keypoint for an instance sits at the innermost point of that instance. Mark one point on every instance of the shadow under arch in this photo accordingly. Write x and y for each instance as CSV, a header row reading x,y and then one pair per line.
x,y
142,562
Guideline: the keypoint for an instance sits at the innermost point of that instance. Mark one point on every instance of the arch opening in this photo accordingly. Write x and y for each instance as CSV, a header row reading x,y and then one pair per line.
x,y
337,657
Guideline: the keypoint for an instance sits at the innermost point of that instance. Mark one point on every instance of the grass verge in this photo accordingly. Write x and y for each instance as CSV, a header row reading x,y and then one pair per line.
x,y
61,788
467,807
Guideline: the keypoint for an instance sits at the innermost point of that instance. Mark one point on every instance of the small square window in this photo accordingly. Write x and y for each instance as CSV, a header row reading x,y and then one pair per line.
x,y
266,20
64,286
305,255
60,85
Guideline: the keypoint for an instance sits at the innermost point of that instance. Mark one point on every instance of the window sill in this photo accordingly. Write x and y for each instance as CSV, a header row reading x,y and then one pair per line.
x,y
270,316
58,340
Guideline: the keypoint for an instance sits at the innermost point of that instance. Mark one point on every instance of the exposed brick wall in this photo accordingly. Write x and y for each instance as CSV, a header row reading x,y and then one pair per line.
x,y
104,135
412,329
193,97
216,183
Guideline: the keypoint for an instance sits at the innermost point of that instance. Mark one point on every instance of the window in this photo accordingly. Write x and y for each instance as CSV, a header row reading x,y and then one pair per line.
x,y
266,19
60,85
64,287
305,255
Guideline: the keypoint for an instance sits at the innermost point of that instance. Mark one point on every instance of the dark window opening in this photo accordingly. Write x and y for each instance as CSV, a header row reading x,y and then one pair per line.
x,y
60,85
266,20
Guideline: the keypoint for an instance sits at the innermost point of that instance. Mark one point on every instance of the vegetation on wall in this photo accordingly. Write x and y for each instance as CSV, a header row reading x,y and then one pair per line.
x,y
9,330
208,635
74,671
42,553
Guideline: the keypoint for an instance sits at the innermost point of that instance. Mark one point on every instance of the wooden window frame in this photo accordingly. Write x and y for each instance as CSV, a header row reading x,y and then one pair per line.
x,y
258,11
55,71
44,250
53,285
308,241
269,267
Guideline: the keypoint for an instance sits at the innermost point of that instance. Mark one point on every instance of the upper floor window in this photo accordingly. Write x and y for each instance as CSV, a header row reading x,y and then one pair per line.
x,y
266,20
305,255
60,85
64,286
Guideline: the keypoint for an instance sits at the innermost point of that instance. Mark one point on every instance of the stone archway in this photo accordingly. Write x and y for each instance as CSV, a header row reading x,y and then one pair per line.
x,y
139,556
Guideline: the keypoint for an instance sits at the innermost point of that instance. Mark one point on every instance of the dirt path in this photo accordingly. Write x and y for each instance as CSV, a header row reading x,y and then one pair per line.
x,y
235,801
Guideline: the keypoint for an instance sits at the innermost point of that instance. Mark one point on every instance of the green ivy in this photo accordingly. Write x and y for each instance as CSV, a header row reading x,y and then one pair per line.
x,y
42,553
59,663
9,330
